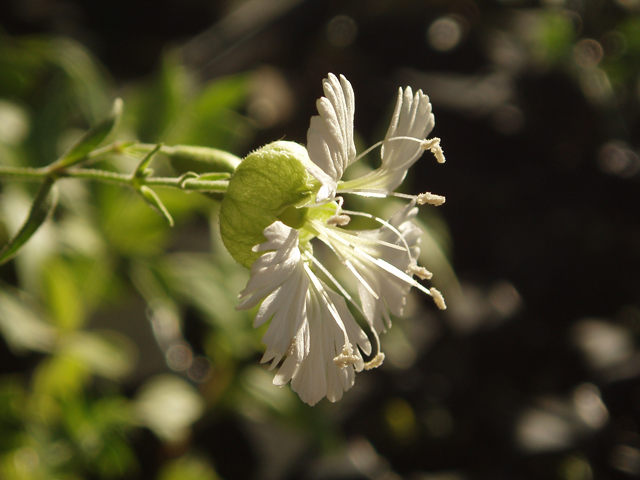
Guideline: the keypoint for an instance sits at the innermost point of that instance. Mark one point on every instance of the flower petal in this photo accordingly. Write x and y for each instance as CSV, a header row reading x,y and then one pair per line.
x,y
411,122
330,136
278,278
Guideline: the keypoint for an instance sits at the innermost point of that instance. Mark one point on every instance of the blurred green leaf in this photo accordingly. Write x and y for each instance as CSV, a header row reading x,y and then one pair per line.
x,y
129,225
105,353
26,62
556,35
91,139
211,118
58,79
55,379
168,405
43,205
21,326
188,467
62,294
157,104
212,288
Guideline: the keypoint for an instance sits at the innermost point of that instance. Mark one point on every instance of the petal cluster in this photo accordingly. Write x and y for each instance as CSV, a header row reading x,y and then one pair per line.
x,y
310,324
313,336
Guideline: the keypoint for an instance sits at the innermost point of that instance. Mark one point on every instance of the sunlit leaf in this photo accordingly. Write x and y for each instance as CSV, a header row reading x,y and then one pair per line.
x,y
168,405
107,353
21,326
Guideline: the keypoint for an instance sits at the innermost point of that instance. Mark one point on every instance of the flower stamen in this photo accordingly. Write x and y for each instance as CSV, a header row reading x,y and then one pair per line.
x,y
438,299
346,357
431,199
339,220
420,272
433,144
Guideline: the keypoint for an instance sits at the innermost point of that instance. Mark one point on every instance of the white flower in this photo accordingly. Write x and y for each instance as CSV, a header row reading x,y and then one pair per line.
x,y
332,149
311,326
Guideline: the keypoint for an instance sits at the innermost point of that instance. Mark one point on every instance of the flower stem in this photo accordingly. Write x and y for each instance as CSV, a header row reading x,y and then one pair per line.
x,y
184,182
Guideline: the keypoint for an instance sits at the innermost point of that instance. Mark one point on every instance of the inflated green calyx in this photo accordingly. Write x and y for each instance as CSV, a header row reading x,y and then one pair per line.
x,y
270,184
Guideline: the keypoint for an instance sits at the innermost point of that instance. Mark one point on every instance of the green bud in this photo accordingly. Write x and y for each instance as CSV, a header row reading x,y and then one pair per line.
x,y
186,158
270,184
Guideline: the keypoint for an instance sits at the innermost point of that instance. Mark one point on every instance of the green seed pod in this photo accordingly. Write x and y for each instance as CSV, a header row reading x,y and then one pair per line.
x,y
270,184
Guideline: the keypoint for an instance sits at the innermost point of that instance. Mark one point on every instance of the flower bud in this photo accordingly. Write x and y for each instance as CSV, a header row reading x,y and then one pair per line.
x,y
270,184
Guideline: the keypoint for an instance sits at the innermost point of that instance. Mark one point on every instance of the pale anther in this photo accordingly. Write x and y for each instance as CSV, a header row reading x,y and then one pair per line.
x,y
375,362
438,298
433,144
339,220
421,272
431,199
346,357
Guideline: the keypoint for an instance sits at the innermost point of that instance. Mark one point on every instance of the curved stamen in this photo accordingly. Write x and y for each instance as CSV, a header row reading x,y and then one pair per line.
x,y
342,290
377,357
388,225
323,231
386,266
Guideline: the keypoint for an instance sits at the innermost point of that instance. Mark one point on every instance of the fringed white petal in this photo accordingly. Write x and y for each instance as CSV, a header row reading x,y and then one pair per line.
x,y
411,122
318,375
330,136
310,324
279,276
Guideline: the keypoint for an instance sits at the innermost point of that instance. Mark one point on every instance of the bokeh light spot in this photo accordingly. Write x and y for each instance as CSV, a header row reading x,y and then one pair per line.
x,y
200,369
615,158
626,459
590,406
444,34
179,357
588,53
342,31
508,119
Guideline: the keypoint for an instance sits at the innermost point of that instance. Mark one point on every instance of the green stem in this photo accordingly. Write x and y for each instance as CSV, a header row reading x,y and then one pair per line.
x,y
185,182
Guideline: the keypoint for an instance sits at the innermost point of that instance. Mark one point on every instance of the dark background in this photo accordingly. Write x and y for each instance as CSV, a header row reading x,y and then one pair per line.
x,y
542,199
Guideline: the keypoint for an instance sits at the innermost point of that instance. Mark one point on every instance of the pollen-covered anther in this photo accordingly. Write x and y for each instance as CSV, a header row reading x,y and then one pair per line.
x,y
420,272
431,199
375,362
438,298
339,220
433,144
346,357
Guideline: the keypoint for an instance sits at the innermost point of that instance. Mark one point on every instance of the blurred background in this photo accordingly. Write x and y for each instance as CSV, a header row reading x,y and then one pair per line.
x,y
121,353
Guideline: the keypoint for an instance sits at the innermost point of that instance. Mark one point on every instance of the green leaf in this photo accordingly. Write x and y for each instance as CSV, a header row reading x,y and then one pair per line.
x,y
62,292
154,202
143,167
187,467
91,139
21,326
106,353
168,405
43,205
